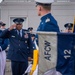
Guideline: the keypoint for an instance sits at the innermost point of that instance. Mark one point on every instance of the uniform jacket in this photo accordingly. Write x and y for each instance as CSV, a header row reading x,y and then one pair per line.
x,y
48,23
3,43
20,47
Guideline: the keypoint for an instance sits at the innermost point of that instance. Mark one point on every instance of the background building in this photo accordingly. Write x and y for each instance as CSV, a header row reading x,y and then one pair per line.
x,y
62,10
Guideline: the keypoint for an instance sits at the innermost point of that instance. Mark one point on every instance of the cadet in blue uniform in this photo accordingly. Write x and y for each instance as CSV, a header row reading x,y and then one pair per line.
x,y
33,39
20,46
3,26
68,27
3,46
48,22
30,29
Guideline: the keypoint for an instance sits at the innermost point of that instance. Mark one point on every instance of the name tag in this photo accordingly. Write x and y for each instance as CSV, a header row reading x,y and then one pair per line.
x,y
12,36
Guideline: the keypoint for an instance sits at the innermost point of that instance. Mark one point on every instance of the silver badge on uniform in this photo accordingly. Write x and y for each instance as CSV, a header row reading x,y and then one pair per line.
x,y
25,41
26,35
13,36
47,20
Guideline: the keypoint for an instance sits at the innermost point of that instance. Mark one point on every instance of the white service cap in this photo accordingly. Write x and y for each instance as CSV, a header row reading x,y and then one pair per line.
x,y
45,1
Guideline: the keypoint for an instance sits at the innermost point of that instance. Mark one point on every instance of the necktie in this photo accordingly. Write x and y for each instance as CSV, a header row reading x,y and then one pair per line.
x,y
19,33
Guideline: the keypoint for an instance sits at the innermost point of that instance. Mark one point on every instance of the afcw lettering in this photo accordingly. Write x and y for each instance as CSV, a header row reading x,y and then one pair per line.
x,y
47,49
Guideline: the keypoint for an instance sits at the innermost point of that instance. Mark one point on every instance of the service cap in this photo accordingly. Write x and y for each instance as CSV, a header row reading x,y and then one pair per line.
x,y
33,35
30,28
3,24
68,25
44,1
18,20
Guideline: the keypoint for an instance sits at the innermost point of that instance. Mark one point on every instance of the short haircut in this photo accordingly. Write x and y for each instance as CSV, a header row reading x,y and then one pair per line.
x,y
46,6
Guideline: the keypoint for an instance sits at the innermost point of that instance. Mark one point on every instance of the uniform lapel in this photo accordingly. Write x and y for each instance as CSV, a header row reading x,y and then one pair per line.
x,y
22,33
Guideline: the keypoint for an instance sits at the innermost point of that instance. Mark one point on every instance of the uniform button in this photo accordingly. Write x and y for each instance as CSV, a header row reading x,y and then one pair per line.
x,y
27,47
19,44
74,46
25,41
19,49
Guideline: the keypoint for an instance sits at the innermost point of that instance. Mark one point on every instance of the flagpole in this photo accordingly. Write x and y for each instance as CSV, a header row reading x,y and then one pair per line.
x,y
73,24
35,61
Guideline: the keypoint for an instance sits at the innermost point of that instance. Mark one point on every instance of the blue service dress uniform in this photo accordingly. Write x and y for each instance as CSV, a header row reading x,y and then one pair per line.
x,y
3,46
48,24
3,43
19,51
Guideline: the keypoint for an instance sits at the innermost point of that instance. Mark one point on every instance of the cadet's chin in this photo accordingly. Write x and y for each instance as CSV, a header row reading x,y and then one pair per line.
x,y
39,14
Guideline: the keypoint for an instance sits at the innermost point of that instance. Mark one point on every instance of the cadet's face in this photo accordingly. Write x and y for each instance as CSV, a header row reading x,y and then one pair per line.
x,y
3,27
38,10
31,31
70,30
19,26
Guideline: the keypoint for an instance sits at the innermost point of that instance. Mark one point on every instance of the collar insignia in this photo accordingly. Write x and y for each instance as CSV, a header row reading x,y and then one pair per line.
x,y
47,20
